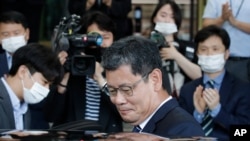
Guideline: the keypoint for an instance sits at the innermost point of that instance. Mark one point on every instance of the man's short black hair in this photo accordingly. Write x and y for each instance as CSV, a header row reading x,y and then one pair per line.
x,y
14,17
38,58
212,30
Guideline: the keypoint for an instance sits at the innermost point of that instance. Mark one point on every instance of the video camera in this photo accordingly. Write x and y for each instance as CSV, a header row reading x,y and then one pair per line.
x,y
159,39
66,38
187,50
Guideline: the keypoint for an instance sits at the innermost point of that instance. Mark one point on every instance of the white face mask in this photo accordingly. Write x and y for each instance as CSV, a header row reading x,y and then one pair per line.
x,y
11,44
166,28
211,63
36,94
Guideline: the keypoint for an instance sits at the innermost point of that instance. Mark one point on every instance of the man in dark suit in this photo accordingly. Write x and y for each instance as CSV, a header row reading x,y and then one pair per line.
x,y
135,84
14,33
217,99
81,97
27,83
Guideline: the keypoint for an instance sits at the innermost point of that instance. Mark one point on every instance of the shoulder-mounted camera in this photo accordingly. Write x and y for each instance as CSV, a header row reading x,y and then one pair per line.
x,y
66,38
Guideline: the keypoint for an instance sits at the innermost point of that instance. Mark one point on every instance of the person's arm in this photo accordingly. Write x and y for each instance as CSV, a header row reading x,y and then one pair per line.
x,y
245,27
225,13
62,86
98,75
212,21
191,69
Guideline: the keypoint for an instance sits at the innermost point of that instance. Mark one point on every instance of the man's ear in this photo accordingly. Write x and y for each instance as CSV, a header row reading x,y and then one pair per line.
x,y
27,36
22,71
156,78
227,53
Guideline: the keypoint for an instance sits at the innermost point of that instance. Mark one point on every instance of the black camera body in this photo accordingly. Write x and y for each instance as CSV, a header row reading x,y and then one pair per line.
x,y
159,39
184,47
67,39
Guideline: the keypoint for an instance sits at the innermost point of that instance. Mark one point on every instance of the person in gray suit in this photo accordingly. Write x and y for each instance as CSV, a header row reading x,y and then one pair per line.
x,y
34,68
134,77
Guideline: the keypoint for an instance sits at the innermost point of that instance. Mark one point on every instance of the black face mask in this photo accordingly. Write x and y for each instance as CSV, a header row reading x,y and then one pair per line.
x,y
96,52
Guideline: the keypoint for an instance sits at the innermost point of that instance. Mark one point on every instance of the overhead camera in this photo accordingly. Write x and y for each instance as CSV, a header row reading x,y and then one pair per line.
x,y
66,38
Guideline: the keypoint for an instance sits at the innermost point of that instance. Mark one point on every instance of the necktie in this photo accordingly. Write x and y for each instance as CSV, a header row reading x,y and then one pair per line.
x,y
137,129
210,84
207,121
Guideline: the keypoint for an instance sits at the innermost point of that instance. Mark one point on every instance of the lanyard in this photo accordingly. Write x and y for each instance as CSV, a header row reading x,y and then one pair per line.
x,y
238,11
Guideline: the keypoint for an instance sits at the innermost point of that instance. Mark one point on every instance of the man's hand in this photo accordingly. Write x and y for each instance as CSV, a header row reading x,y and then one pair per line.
x,y
232,19
225,11
89,4
199,102
98,74
62,56
211,97
107,2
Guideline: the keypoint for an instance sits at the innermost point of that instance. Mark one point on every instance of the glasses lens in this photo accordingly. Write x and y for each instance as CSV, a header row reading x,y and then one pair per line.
x,y
112,91
126,90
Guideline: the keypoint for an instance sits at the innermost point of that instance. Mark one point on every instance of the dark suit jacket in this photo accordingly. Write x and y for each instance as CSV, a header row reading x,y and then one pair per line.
x,y
71,106
7,120
234,99
3,63
173,122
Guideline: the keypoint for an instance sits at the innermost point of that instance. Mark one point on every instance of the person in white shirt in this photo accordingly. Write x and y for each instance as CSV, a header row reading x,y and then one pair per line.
x,y
34,68
233,16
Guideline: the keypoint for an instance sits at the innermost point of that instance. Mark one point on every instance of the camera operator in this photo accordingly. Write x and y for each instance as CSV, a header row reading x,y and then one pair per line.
x,y
117,10
82,97
177,55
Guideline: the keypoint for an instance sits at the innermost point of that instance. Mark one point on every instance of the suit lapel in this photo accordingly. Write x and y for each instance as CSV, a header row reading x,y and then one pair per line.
x,y
4,66
7,107
27,120
226,87
160,114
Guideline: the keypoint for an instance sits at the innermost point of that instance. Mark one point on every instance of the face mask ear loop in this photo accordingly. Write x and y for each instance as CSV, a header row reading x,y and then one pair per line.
x,y
22,82
22,85
31,77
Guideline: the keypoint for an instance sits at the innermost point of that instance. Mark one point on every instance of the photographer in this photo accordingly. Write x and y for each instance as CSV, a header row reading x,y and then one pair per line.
x,y
177,55
81,97
117,10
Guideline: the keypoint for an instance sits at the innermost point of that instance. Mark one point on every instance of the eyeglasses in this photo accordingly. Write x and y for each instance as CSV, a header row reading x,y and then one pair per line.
x,y
125,90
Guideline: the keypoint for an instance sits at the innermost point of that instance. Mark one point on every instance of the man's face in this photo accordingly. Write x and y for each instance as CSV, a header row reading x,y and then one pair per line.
x,y
212,46
135,108
30,79
8,30
107,36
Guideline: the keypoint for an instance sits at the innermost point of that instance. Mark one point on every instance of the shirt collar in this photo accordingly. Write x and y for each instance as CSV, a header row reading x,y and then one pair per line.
x,y
16,103
217,80
143,124
9,59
